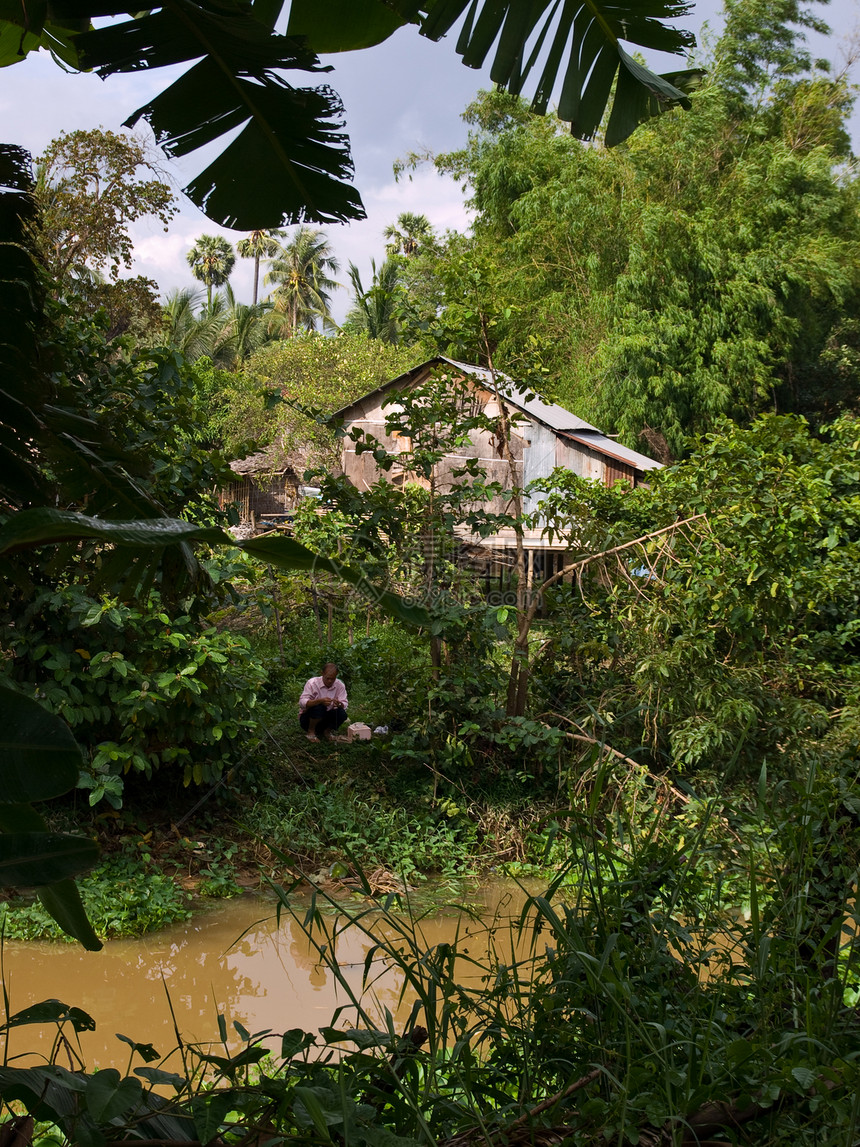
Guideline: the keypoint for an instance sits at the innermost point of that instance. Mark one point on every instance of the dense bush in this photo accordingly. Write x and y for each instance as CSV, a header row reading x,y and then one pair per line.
x,y
142,690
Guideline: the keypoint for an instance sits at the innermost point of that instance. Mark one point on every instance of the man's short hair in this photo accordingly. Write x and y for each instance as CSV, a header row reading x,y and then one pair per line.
x,y
329,665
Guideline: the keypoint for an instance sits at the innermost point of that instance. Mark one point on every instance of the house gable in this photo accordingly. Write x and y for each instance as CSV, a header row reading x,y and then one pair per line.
x,y
543,436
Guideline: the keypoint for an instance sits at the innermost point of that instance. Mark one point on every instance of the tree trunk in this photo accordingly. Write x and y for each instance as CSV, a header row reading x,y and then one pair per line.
x,y
518,679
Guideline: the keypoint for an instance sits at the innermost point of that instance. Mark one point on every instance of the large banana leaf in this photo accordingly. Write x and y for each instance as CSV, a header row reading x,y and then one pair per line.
x,y
38,527
39,758
290,160
36,858
572,46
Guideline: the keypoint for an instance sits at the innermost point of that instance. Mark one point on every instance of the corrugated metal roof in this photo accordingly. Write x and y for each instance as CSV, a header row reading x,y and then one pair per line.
x,y
609,446
556,417
549,413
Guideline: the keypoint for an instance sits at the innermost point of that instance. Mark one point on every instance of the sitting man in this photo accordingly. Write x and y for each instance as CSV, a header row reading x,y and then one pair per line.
x,y
322,705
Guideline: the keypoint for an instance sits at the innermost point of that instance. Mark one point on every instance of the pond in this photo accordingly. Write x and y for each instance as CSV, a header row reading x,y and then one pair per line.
x,y
236,960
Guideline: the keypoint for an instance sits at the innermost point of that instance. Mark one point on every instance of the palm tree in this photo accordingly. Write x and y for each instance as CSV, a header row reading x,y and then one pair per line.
x,y
259,245
240,331
300,271
373,310
408,234
190,331
211,260
224,330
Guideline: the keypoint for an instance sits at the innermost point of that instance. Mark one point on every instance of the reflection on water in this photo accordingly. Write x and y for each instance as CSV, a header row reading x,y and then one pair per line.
x,y
236,961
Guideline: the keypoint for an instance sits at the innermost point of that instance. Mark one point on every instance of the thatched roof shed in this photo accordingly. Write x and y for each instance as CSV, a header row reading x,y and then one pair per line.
x,y
266,485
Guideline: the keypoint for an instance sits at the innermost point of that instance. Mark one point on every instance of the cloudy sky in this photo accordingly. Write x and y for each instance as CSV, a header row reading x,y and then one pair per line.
x,y
405,95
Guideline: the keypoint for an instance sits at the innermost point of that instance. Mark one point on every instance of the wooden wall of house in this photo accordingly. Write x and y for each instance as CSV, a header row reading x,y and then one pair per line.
x,y
362,470
276,495
537,451
590,463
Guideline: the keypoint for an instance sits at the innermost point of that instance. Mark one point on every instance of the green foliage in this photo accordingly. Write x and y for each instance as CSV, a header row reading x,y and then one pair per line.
x,y
374,311
706,269
313,372
91,185
217,880
259,245
211,260
142,690
124,446
744,619
300,270
122,896
222,330
327,823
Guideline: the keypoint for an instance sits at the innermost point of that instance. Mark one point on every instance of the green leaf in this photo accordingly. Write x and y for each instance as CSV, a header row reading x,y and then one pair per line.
x,y
382,1137
228,1064
31,859
578,43
290,137
42,526
361,1037
342,25
108,1096
308,1097
15,43
155,1076
294,1041
51,1012
63,901
47,1092
640,95
39,757
145,1050
804,1077
209,1113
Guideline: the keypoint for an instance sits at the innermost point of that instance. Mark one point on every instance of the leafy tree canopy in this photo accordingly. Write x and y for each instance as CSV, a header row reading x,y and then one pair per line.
x,y
90,186
707,268
301,270
211,260
375,310
313,371
744,627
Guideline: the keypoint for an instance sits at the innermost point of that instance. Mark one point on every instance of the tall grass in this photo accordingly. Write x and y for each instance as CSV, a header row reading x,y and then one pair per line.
x,y
621,1006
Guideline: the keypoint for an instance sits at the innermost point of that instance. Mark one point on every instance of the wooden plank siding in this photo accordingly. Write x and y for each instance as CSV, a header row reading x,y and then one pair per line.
x,y
543,437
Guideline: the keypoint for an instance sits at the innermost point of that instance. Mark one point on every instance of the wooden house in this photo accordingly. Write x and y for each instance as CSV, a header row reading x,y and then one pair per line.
x,y
543,436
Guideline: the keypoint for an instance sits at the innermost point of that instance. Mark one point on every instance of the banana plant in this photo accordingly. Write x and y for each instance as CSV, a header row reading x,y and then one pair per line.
x,y
287,138
40,759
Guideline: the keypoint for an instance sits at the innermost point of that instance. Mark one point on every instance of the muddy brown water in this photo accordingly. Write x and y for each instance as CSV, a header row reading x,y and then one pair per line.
x,y
236,960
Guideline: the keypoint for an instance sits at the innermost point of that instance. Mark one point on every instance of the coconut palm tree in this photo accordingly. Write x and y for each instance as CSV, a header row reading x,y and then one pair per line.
x,y
373,310
300,273
189,328
223,330
241,328
211,260
259,245
408,234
